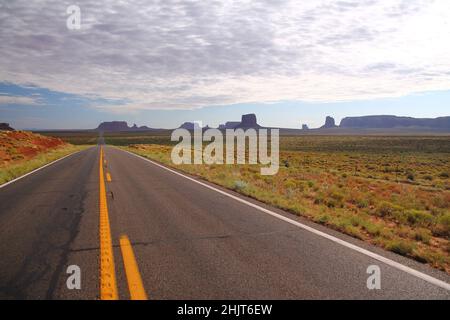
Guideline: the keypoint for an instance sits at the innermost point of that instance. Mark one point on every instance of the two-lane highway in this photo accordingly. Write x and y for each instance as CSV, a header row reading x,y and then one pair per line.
x,y
188,241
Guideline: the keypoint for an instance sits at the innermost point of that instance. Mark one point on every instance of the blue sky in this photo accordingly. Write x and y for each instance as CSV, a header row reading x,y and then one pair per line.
x,y
160,63
55,110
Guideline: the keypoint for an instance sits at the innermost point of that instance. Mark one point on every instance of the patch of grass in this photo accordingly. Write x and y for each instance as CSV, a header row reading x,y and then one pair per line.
x,y
323,219
387,209
423,235
442,227
418,217
400,247
372,229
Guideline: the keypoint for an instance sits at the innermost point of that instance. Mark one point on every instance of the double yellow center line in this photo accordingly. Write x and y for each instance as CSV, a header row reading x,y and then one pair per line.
x,y
108,282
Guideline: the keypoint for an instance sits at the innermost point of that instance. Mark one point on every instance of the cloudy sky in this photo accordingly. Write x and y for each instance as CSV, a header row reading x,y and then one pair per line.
x,y
160,63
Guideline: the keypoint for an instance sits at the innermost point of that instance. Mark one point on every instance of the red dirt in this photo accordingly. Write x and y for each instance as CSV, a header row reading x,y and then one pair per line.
x,y
22,145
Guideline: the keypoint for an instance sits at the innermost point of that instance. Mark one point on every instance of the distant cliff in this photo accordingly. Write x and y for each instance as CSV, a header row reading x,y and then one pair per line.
x,y
229,125
247,121
329,123
384,122
120,126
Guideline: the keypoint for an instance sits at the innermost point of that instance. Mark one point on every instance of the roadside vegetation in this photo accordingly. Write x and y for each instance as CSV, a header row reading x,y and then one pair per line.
x,y
22,152
393,192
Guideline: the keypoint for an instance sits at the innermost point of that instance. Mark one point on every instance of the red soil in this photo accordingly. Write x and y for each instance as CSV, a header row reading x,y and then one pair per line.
x,y
22,145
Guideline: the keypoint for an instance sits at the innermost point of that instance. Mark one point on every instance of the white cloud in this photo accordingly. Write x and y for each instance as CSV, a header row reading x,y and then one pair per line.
x,y
6,99
179,54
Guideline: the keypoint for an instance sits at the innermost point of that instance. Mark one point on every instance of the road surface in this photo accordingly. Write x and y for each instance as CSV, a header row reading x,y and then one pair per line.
x,y
188,241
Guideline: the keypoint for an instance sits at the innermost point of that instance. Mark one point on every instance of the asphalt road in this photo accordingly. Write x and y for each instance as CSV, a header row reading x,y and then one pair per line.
x,y
189,242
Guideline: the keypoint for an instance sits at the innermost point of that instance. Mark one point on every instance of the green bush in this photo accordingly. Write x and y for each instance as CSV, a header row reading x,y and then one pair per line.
x,y
331,203
418,217
290,184
336,195
440,202
319,199
444,175
372,228
401,247
323,218
423,235
387,209
445,220
239,185
362,203
442,227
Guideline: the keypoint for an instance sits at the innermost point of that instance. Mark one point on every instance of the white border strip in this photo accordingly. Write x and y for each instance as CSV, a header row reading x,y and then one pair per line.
x,y
35,170
368,253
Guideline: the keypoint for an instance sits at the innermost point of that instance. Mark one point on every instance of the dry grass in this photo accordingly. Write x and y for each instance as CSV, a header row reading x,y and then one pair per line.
x,y
398,200
22,152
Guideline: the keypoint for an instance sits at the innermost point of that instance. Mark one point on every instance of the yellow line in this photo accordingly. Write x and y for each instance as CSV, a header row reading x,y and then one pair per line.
x,y
108,285
108,177
135,286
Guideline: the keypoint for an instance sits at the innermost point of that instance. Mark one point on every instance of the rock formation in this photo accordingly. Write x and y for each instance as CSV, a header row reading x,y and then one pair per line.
x,y
329,123
111,126
248,121
394,122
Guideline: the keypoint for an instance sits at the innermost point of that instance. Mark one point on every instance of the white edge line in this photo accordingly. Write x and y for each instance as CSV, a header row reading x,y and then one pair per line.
x,y
37,169
368,253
